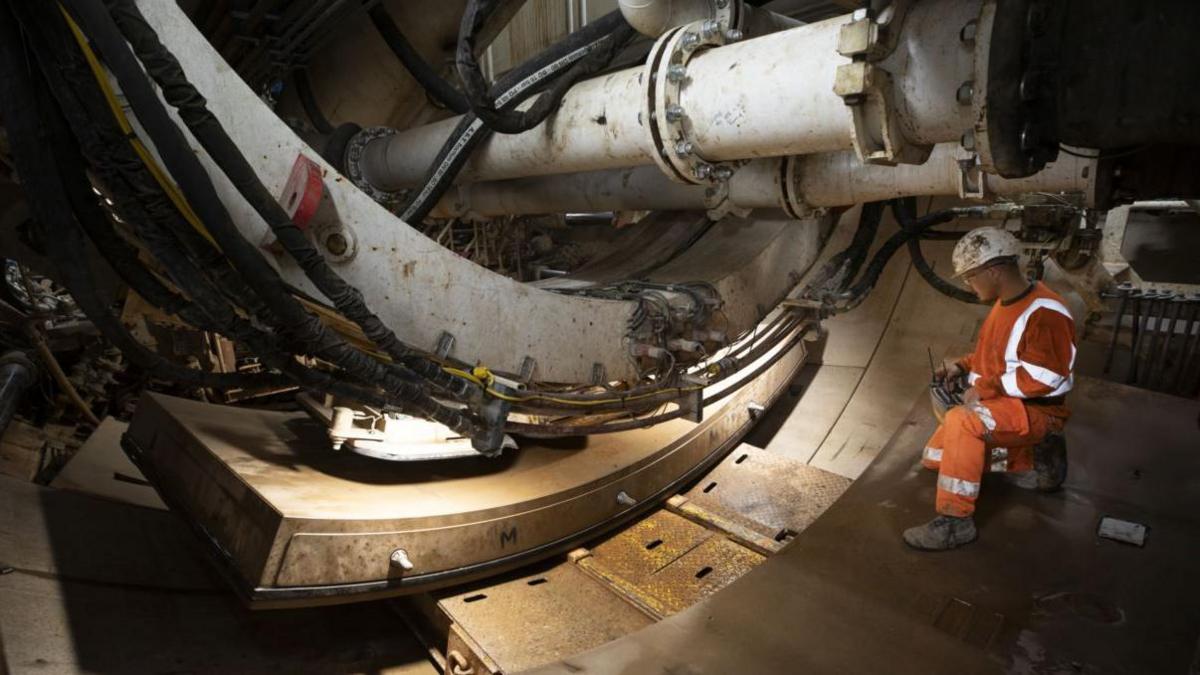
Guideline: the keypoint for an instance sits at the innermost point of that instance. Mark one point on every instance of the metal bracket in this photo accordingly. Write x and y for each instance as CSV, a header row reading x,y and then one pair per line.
x,y
445,343
972,181
528,366
867,89
878,138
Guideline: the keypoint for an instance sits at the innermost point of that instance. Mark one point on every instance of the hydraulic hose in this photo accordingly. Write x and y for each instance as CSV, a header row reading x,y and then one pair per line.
x,y
308,101
905,212
489,108
508,91
294,321
442,91
854,295
63,237
107,148
179,92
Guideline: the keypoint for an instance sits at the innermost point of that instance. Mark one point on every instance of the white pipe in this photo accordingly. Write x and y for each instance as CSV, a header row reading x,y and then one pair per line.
x,y
824,180
655,17
769,96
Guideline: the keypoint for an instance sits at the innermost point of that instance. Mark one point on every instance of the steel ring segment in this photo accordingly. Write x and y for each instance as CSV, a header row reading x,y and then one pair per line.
x,y
667,121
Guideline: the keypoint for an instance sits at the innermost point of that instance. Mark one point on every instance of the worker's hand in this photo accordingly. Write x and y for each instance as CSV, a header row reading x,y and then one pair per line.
x,y
948,370
970,396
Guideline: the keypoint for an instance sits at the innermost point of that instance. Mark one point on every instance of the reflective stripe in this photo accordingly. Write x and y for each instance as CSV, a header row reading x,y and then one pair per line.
x,y
1012,362
1009,381
934,454
999,467
999,453
984,416
971,378
1044,375
960,487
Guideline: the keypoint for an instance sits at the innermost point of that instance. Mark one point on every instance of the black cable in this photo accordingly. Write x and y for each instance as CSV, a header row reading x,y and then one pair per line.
x,y
523,81
113,157
294,321
442,91
905,212
489,108
854,296
179,92
63,237
308,101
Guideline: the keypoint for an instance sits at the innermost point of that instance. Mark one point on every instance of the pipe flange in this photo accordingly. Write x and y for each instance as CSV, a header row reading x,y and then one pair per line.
x,y
355,150
667,121
790,199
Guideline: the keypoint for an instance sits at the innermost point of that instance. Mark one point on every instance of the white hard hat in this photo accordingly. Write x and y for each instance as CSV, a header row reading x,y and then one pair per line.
x,y
981,246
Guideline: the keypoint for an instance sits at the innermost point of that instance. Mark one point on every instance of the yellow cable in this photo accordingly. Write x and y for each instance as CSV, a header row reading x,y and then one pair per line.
x,y
159,175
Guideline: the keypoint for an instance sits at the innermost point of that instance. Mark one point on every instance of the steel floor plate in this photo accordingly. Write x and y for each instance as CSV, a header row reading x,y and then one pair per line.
x,y
1038,592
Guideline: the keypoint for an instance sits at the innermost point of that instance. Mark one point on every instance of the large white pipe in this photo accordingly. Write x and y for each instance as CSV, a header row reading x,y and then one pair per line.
x,y
824,180
655,17
769,96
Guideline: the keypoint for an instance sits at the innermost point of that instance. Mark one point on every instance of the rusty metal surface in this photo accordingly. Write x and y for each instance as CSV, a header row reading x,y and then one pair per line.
x,y
295,523
1037,593
666,563
539,618
768,493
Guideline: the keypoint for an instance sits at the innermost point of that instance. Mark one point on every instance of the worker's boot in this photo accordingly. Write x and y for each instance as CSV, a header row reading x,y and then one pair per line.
x,y
941,534
1050,462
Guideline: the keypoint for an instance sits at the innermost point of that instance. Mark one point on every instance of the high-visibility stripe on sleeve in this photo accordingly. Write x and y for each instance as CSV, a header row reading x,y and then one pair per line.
x,y
971,378
958,486
933,454
1044,375
1063,383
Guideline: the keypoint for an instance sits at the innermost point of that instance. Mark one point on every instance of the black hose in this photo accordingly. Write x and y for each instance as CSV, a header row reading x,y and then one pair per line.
x,y
63,238
854,296
294,321
180,93
905,212
491,109
523,81
442,91
334,150
308,101
113,157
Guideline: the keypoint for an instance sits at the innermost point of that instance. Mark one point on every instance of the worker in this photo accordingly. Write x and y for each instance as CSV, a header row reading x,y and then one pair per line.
x,y
1017,379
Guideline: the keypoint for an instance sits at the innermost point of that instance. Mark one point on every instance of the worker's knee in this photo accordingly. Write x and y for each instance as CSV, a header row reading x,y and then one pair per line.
x,y
964,420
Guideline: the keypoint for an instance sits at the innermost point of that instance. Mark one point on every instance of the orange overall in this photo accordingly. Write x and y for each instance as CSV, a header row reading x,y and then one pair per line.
x,y
1021,368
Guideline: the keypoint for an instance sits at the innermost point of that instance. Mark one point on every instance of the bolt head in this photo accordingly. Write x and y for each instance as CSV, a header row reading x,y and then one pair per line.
x,y
689,40
968,140
676,73
683,148
965,93
399,558
674,112
733,35
969,31
703,171
336,243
